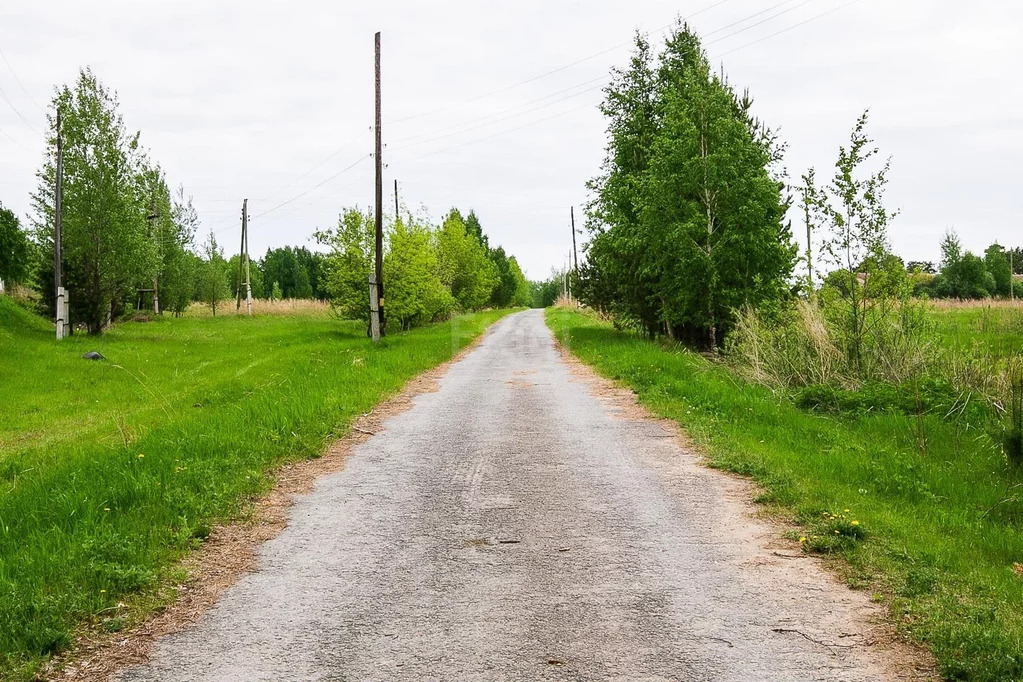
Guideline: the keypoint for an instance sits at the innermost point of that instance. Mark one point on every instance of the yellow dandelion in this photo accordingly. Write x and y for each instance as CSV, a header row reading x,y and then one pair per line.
x,y
802,539
855,523
140,455
845,511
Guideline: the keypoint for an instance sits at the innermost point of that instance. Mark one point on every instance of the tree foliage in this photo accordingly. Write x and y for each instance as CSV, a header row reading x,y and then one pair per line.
x,y
347,265
14,249
107,248
851,210
687,221
463,264
212,279
414,291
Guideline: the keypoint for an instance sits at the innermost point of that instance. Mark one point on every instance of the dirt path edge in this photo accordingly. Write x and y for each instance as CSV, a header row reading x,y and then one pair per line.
x,y
230,551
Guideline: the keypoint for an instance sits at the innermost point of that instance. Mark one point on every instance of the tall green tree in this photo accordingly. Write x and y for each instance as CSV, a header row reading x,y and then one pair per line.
x,y
996,260
710,201
348,263
463,264
415,294
475,229
213,275
852,210
687,223
283,266
106,244
617,277
14,249
963,274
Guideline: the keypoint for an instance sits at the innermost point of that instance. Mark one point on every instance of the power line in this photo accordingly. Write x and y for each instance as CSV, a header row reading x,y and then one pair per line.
x,y
459,128
548,73
505,118
762,21
23,119
20,84
319,184
498,113
500,133
790,28
8,136
314,168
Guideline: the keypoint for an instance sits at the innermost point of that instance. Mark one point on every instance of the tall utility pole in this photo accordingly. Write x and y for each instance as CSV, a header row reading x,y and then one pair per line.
x,y
58,256
396,200
159,244
376,293
245,250
241,267
244,275
575,255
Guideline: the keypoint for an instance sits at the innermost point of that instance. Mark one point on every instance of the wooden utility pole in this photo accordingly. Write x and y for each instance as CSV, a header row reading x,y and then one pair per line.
x,y
396,200
245,251
241,264
159,247
575,254
376,295
58,256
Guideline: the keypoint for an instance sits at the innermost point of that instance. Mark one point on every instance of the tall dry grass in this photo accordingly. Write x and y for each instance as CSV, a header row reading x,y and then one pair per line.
x,y
289,306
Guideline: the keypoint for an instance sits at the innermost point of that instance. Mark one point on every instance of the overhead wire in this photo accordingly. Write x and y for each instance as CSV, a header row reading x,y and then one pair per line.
x,y
542,120
786,30
546,73
20,84
460,127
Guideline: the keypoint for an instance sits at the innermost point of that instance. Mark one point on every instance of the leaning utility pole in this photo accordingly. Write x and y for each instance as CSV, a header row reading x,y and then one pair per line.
x,y
575,254
376,284
58,256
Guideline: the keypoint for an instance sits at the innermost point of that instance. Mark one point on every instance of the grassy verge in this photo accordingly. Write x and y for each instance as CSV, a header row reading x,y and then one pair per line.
x,y
993,327
932,531
111,470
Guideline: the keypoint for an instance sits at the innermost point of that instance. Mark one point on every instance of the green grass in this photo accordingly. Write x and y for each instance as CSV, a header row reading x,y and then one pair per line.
x,y
110,471
994,327
938,528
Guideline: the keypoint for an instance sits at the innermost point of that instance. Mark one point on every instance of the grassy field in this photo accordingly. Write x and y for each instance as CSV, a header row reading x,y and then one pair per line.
x,y
995,327
932,531
110,470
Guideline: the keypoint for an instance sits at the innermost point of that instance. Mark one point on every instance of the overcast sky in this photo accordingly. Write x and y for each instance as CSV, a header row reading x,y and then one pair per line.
x,y
273,100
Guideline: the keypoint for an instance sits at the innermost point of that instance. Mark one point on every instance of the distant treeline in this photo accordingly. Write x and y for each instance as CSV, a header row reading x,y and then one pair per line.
x,y
128,240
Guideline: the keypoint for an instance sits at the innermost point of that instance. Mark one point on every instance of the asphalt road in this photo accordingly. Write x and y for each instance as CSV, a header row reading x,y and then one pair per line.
x,y
516,525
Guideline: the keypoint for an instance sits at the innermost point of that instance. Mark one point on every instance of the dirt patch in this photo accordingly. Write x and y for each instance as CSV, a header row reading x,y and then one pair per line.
x,y
230,550
897,657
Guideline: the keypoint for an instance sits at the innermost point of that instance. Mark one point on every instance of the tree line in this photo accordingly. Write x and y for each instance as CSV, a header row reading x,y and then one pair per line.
x,y
127,239
429,271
